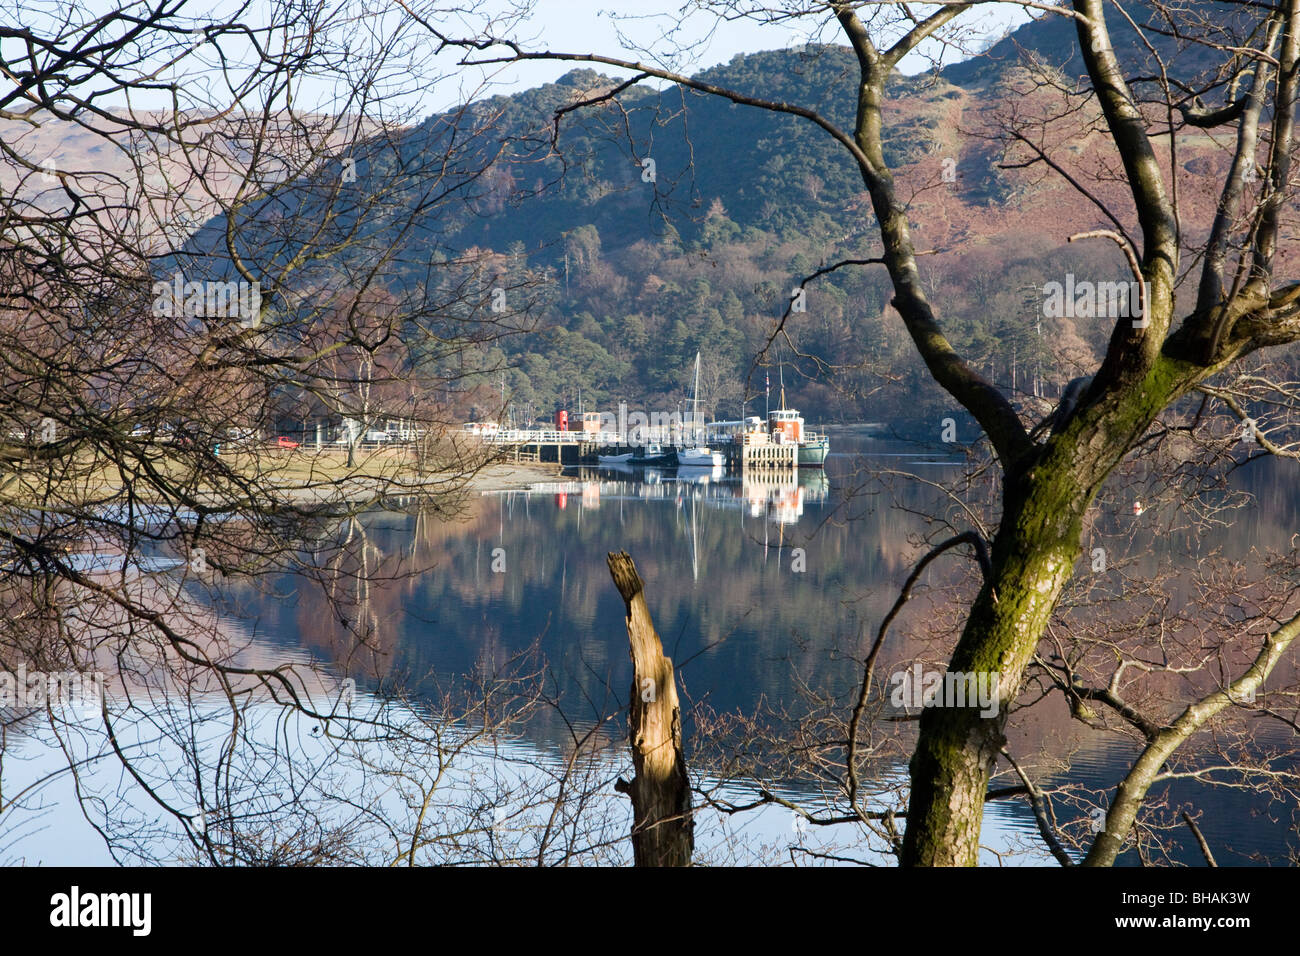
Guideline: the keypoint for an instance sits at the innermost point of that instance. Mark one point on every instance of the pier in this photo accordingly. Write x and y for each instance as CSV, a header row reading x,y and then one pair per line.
x,y
756,450
560,447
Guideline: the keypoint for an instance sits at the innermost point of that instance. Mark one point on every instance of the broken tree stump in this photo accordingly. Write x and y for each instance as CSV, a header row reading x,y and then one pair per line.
x,y
662,827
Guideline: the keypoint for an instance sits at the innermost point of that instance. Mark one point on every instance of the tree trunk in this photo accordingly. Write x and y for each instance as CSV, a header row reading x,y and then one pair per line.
x,y
1033,556
662,828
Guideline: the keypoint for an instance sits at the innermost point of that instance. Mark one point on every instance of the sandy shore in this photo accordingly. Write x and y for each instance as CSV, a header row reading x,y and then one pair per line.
x,y
512,477
315,485
489,479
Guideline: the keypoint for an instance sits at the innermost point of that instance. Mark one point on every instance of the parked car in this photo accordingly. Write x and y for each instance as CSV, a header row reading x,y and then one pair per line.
x,y
376,436
282,442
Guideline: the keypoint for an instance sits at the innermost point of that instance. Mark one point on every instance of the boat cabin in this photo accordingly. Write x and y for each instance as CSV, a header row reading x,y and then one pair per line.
x,y
787,422
720,433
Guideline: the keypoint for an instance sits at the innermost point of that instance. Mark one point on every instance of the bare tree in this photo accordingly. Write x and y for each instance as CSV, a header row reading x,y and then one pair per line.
x,y
1052,468
235,256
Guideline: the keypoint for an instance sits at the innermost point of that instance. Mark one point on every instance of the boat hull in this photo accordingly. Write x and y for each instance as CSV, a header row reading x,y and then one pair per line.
x,y
812,454
653,455
700,458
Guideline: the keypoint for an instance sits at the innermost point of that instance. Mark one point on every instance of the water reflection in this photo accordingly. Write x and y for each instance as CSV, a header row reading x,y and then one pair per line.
x,y
760,585
778,495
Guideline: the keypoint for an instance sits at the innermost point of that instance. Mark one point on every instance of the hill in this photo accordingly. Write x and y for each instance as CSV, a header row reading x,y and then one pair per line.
x,y
672,222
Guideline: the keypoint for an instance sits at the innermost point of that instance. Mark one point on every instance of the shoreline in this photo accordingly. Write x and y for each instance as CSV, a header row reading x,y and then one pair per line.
x,y
490,479
359,488
511,476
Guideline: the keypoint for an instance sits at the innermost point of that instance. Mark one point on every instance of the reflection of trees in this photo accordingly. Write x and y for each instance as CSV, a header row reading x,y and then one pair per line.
x,y
116,400
1168,655
446,608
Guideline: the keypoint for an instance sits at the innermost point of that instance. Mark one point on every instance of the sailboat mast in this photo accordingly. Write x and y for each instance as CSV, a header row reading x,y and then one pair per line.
x,y
695,403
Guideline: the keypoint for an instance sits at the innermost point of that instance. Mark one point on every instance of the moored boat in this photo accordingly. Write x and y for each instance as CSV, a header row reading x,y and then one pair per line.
x,y
700,456
695,455
813,450
653,454
813,447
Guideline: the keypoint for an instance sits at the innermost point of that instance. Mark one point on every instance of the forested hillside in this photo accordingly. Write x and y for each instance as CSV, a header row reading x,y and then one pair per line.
x,y
633,240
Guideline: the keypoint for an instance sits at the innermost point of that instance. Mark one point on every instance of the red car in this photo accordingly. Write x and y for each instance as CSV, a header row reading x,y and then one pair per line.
x,y
282,442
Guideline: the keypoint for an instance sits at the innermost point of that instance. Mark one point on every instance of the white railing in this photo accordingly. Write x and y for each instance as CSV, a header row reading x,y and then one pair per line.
x,y
520,436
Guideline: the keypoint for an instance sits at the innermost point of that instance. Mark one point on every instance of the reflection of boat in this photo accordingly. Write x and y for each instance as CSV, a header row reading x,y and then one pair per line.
x,y
774,493
701,474
816,484
652,454
695,544
618,467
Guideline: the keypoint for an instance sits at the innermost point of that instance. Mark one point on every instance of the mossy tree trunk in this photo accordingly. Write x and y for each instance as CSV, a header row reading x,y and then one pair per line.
x,y
1048,484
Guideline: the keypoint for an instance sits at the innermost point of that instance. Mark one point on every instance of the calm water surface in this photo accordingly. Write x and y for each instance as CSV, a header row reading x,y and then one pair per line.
x,y
756,587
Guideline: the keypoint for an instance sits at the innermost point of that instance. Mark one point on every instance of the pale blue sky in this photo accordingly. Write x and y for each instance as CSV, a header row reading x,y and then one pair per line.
x,y
607,25
685,37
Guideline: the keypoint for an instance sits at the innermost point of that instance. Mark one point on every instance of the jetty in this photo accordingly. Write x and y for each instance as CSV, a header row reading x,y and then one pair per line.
x,y
749,451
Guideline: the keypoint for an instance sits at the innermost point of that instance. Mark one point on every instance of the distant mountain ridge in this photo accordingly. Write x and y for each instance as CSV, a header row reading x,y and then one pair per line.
x,y
743,204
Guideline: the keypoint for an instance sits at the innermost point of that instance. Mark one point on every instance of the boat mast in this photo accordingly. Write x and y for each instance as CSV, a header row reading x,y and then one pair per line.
x,y
695,403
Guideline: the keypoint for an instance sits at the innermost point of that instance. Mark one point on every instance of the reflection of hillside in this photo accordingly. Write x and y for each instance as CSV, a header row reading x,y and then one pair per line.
x,y
126,663
417,598
716,574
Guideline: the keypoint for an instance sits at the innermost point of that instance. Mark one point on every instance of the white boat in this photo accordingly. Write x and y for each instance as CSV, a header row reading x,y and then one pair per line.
x,y
700,456
622,459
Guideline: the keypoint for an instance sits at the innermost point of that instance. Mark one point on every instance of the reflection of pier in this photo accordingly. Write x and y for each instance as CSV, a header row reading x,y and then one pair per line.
x,y
780,494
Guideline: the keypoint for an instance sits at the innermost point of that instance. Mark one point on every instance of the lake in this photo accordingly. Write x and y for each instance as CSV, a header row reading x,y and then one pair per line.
x,y
765,592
